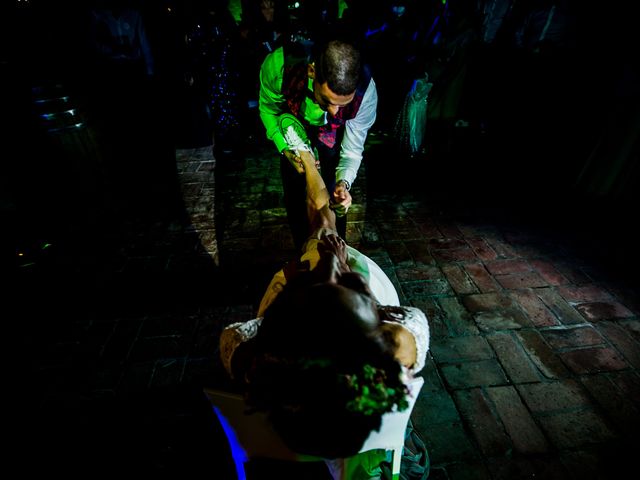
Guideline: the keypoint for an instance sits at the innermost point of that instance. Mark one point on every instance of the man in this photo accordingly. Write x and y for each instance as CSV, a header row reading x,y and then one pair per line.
x,y
335,98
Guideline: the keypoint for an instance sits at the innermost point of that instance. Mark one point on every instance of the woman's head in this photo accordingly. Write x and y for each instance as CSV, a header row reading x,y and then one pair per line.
x,y
323,373
320,410
318,313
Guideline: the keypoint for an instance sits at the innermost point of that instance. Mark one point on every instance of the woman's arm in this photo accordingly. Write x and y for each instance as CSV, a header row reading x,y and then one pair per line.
x,y
404,342
318,200
409,329
236,343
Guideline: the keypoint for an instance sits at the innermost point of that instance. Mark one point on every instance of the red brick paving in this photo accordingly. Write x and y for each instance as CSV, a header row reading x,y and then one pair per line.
x,y
526,345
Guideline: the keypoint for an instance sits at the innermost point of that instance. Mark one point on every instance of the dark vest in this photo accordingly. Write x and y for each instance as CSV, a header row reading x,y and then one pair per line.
x,y
295,90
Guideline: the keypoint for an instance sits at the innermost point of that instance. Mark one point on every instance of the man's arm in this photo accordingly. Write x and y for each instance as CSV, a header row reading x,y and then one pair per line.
x,y
355,135
271,100
352,146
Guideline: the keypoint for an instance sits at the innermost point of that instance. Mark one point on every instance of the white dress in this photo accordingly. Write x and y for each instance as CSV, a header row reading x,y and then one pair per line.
x,y
411,318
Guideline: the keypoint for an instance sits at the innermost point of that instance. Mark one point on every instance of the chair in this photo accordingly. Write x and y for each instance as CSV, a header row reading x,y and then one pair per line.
x,y
252,436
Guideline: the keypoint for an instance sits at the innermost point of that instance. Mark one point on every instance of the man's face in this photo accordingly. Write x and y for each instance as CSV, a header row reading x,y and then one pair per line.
x,y
329,101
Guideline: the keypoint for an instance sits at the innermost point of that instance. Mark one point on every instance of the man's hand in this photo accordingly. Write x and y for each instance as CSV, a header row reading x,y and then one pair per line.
x,y
341,199
294,160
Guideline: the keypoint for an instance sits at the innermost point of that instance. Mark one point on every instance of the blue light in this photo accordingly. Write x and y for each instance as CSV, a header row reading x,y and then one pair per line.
x,y
237,452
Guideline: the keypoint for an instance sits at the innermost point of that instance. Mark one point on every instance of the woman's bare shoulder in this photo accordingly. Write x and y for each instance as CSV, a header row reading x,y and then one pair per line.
x,y
404,343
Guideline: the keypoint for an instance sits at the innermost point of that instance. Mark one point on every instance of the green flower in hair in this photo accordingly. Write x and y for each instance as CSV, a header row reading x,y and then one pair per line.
x,y
371,394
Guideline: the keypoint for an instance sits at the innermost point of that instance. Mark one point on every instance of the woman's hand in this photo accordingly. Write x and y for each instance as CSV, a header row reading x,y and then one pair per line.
x,y
335,245
391,312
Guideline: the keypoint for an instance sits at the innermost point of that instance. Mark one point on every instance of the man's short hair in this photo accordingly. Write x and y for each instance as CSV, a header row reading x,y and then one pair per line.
x,y
338,64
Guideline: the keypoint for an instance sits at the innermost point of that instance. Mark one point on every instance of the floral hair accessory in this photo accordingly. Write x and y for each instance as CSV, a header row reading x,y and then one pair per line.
x,y
371,393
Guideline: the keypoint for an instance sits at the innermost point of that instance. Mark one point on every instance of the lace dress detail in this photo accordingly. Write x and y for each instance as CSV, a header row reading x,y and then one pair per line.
x,y
232,336
411,318
414,320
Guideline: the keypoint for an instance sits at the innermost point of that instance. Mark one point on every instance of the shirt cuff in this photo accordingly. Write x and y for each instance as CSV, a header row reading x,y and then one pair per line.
x,y
347,184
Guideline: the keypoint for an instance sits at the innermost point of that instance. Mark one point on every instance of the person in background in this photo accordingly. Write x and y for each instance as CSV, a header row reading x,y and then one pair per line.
x,y
119,37
122,105
212,40
263,25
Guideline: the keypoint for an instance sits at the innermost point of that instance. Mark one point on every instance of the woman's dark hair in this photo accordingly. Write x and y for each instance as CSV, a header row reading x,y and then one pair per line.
x,y
338,64
323,378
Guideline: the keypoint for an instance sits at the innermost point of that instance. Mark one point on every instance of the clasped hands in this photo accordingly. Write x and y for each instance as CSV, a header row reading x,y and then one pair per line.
x,y
340,199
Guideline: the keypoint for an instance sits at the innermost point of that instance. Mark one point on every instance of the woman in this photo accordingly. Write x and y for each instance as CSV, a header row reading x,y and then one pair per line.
x,y
331,350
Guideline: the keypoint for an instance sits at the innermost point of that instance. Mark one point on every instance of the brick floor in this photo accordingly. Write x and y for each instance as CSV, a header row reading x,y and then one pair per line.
x,y
533,369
